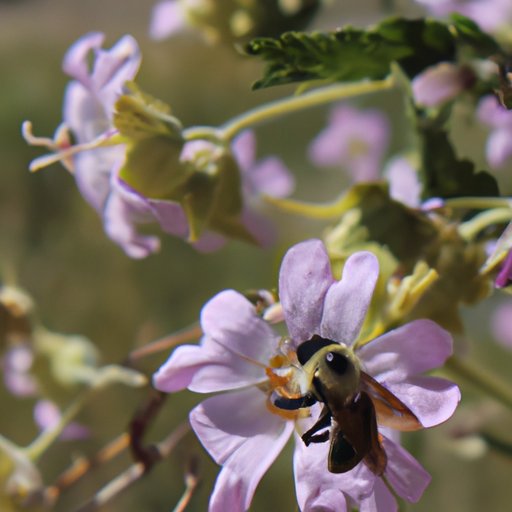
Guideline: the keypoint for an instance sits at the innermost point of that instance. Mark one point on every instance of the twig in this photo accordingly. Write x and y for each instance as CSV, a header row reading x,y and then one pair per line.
x,y
191,482
83,465
193,332
136,471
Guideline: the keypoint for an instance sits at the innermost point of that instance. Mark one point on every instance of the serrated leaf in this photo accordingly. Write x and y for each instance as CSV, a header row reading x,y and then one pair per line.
x,y
470,36
351,54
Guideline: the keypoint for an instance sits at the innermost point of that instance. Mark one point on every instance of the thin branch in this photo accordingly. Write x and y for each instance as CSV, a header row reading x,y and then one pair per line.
x,y
135,472
191,333
191,482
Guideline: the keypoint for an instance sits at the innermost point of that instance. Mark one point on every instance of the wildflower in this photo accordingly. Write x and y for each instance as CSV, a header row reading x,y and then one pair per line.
x,y
499,146
491,15
132,164
240,353
167,18
441,83
354,139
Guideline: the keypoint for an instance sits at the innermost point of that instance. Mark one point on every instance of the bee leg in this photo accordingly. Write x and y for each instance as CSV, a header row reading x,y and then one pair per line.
x,y
324,421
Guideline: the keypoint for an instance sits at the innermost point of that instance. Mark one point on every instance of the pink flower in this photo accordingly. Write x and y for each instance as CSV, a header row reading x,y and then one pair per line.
x,y
499,143
244,431
354,139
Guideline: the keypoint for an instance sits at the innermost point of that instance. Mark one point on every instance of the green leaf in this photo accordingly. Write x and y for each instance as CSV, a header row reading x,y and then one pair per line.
x,y
471,38
153,167
443,174
138,115
351,54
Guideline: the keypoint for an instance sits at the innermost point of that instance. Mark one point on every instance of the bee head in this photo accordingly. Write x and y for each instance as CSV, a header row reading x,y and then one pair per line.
x,y
332,370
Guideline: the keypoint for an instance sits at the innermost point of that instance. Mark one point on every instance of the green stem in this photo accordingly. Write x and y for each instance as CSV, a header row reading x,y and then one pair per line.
x,y
479,203
468,230
292,104
49,436
481,379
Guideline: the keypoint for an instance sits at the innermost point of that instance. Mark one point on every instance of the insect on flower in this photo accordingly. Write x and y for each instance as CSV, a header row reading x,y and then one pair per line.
x,y
353,403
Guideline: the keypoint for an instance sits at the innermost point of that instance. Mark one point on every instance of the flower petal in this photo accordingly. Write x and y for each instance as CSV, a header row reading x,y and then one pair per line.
x,y
407,476
411,349
432,399
304,279
234,351
240,433
347,300
320,490
380,500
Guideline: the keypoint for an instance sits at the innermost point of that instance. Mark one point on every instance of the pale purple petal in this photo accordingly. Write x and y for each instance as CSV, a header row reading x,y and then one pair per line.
x,y
242,435
440,83
407,476
499,147
47,416
501,324
304,279
271,177
490,112
347,300
76,63
234,351
92,174
433,400
124,210
411,349
167,18
244,150
380,500
16,365
320,490
355,139
404,183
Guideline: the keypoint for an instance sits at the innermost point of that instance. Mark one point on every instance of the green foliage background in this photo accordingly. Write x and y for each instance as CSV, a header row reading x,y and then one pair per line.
x,y
52,244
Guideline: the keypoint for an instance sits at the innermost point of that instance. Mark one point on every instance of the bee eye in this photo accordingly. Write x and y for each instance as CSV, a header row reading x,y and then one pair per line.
x,y
337,362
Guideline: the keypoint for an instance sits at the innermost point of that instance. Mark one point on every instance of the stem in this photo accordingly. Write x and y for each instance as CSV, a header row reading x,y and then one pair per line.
x,y
481,379
468,230
191,333
479,203
293,104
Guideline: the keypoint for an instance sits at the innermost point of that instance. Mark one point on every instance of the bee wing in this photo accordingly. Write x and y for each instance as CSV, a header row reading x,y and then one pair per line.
x,y
391,412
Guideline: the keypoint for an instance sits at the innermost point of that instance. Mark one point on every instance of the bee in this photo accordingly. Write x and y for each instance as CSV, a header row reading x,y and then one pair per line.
x,y
353,404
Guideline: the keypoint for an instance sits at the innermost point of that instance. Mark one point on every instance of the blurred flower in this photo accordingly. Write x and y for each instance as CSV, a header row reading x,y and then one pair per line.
x,y
16,365
354,139
491,15
167,18
244,431
441,83
47,416
501,324
499,143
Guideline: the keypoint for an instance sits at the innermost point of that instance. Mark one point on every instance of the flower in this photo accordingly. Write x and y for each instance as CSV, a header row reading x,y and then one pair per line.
x,y
441,83
501,324
491,15
102,152
240,353
355,139
499,145
167,18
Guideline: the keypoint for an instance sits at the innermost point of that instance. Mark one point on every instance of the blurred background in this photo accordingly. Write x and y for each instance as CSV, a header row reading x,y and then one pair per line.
x,y
52,245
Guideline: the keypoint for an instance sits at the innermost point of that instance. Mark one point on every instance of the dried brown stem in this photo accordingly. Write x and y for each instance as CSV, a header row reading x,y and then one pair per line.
x,y
135,472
